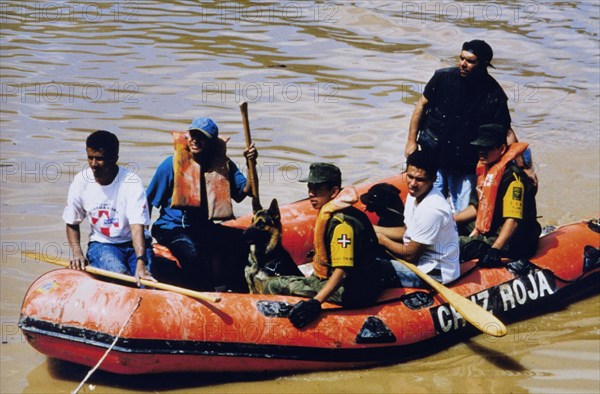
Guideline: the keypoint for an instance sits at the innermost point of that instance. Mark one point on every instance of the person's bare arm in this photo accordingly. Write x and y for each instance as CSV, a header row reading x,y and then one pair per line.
x,y
139,245
415,120
335,280
466,215
393,233
77,260
409,252
509,227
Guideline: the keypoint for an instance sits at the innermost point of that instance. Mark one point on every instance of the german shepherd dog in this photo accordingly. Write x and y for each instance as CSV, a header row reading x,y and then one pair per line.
x,y
384,200
267,257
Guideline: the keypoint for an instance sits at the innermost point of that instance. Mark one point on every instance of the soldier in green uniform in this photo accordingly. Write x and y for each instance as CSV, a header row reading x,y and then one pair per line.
x,y
345,251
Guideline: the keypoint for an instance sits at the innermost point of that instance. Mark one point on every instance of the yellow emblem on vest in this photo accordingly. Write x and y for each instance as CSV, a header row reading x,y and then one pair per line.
x,y
513,199
342,246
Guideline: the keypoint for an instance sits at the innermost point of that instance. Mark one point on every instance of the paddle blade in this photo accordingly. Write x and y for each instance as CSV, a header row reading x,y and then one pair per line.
x,y
480,318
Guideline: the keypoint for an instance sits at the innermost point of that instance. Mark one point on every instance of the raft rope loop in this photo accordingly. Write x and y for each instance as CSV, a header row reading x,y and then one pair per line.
x,y
107,350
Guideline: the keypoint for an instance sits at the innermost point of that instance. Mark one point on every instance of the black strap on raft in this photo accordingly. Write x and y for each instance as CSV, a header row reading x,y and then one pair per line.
x,y
594,225
374,330
274,308
591,258
520,267
591,255
417,300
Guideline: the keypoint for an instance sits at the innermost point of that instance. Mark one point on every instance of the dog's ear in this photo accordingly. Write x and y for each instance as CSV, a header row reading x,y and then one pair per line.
x,y
274,210
256,205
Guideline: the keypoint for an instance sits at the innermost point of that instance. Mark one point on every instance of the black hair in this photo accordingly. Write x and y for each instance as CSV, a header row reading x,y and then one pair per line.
x,y
424,161
105,141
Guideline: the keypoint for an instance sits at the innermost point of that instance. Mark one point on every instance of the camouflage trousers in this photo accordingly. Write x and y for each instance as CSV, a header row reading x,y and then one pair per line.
x,y
301,287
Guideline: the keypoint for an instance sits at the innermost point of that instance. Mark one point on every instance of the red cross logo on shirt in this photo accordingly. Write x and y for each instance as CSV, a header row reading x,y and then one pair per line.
x,y
344,241
107,222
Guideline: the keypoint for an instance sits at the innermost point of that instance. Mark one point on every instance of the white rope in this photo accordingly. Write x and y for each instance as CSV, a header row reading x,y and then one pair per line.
x,y
107,350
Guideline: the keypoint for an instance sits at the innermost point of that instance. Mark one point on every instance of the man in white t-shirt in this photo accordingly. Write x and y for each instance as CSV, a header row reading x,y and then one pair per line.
x,y
113,200
430,237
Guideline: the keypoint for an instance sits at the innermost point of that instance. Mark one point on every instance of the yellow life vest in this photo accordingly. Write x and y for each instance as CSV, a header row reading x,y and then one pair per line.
x,y
192,181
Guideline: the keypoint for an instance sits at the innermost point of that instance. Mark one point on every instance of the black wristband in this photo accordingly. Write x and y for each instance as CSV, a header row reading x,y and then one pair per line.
x,y
143,258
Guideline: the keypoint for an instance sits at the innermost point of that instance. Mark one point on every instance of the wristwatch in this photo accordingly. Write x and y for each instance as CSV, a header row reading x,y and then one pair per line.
x,y
143,258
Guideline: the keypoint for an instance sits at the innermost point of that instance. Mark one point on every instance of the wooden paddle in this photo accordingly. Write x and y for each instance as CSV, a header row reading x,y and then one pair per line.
x,y
470,311
252,175
127,278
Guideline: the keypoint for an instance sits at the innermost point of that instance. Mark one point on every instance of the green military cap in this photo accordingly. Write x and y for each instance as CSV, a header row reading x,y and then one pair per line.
x,y
323,172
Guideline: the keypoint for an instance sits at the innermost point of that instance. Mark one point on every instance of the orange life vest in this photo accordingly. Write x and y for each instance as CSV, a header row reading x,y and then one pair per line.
x,y
190,178
488,182
347,197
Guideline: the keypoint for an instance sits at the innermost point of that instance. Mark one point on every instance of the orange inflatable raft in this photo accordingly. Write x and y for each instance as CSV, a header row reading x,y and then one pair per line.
x,y
71,315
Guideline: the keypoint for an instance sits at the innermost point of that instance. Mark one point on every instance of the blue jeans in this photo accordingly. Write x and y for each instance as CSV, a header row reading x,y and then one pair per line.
x,y
120,258
458,186
406,277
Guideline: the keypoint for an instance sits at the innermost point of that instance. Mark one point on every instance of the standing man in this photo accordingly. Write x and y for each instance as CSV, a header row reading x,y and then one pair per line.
x,y
113,200
345,247
455,102
430,238
193,189
501,219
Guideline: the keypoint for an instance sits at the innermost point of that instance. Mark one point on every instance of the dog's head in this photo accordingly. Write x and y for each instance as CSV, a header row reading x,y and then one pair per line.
x,y
382,198
265,229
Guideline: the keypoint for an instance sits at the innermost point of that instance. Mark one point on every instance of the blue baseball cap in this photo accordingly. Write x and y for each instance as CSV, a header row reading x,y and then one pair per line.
x,y
206,126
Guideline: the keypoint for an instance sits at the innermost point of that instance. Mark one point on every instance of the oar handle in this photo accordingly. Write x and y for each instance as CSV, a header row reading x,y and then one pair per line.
x,y
127,278
252,175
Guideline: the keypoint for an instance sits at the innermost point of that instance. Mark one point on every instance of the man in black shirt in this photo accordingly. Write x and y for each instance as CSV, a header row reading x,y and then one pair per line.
x,y
456,101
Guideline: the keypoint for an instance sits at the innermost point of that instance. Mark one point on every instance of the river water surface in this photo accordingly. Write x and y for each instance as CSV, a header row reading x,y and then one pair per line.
x,y
325,81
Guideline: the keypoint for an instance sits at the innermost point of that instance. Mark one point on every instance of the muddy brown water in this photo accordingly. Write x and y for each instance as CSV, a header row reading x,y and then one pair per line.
x,y
334,81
